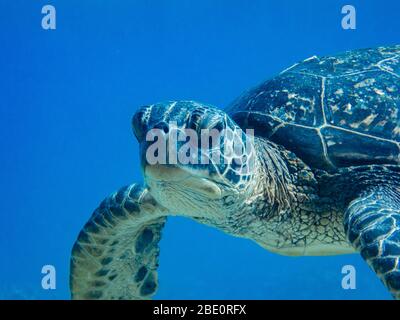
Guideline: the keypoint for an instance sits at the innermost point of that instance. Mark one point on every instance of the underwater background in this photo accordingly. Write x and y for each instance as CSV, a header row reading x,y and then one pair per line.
x,y
66,102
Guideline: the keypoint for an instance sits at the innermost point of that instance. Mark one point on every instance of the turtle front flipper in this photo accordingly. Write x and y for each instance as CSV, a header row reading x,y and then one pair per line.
x,y
116,253
372,225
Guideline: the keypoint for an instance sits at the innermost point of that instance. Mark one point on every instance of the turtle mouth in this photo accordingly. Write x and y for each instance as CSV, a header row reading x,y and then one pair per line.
x,y
158,175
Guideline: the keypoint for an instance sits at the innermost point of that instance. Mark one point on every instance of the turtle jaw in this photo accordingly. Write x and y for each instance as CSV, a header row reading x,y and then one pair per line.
x,y
183,192
172,174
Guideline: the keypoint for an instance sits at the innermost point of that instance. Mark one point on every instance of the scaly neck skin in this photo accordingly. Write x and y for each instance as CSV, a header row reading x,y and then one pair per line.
x,y
269,192
283,211
281,181
273,180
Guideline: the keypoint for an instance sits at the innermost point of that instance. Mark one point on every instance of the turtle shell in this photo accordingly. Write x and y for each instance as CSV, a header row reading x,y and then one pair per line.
x,y
332,112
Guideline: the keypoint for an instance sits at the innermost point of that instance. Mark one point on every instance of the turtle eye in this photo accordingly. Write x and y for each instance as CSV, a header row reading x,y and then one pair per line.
x,y
218,125
195,119
201,119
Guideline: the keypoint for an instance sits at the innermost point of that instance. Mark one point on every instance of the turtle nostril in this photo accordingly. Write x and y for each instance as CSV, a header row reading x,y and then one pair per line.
x,y
139,122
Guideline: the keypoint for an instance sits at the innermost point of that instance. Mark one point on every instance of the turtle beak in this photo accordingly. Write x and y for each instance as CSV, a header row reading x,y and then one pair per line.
x,y
172,174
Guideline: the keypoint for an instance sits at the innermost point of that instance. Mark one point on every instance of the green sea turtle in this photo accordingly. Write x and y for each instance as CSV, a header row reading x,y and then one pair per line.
x,y
325,177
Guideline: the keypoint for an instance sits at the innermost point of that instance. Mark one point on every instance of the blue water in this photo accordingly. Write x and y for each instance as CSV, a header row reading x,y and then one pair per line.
x,y
67,97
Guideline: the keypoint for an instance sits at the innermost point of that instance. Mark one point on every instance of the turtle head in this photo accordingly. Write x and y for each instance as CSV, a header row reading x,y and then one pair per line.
x,y
193,155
